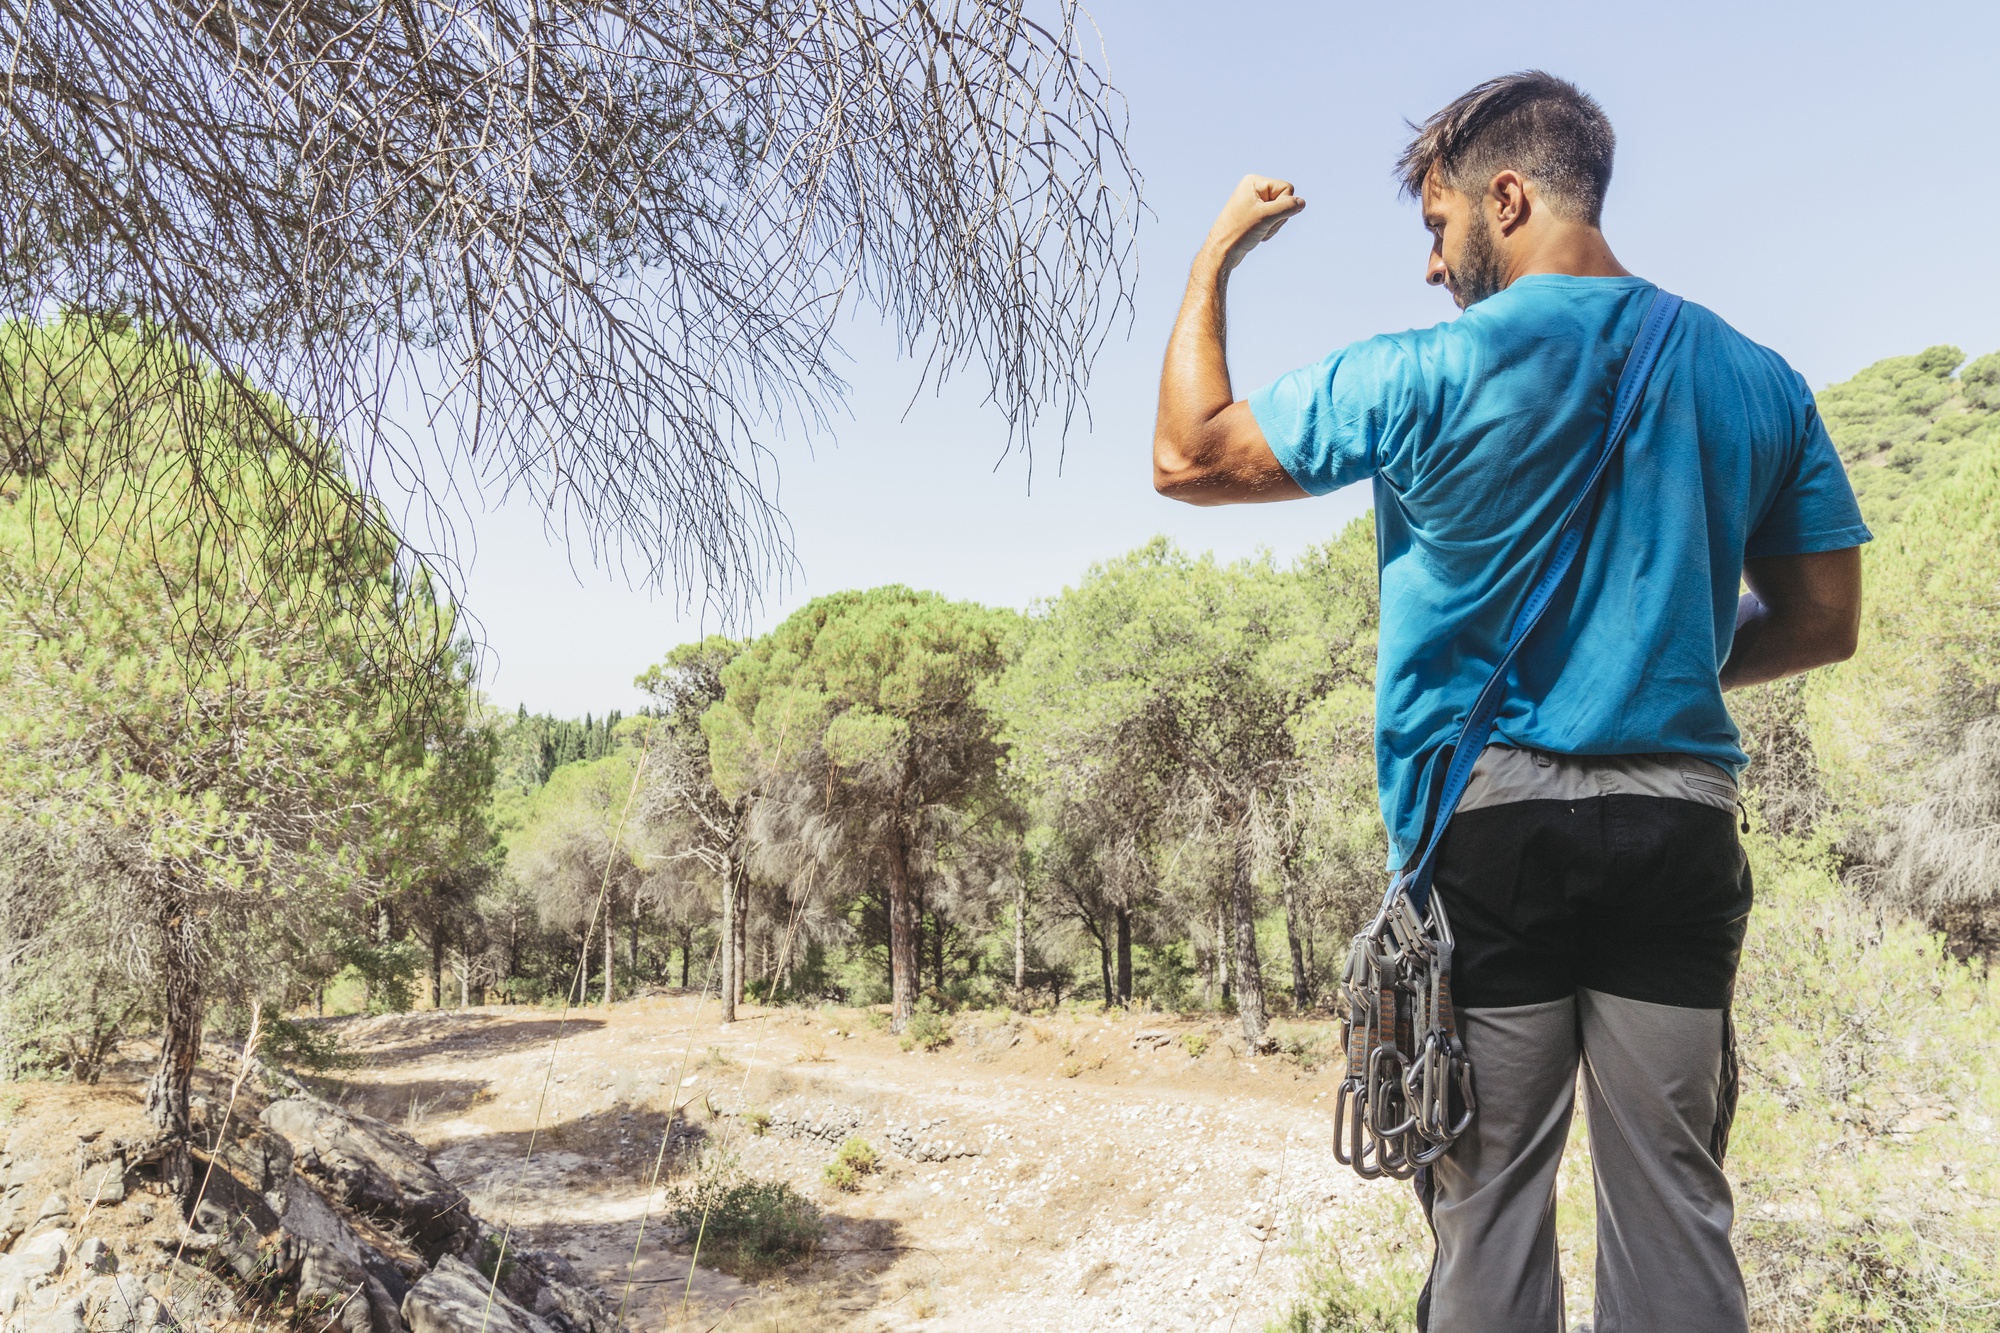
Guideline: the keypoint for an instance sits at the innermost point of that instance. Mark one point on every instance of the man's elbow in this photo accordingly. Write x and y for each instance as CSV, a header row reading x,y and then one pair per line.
x,y
1176,473
1833,639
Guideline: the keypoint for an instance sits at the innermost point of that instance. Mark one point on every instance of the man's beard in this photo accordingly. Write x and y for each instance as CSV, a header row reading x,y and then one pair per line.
x,y
1478,273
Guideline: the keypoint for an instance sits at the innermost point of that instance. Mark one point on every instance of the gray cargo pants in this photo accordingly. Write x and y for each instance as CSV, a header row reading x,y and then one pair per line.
x,y
1599,910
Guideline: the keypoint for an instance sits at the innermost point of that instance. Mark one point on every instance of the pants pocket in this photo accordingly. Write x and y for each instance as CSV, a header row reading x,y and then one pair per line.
x,y
1730,1082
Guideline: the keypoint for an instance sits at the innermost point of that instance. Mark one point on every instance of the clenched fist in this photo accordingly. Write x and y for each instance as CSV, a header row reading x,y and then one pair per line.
x,y
1256,209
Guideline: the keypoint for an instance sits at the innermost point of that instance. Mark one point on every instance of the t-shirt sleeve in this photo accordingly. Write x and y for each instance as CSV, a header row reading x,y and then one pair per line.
x,y
1326,422
1814,508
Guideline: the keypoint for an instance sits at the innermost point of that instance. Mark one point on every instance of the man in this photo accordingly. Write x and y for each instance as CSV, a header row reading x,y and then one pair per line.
x,y
1592,873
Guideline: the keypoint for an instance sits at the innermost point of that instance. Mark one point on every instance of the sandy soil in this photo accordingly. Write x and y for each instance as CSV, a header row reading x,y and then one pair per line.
x,y
1088,1180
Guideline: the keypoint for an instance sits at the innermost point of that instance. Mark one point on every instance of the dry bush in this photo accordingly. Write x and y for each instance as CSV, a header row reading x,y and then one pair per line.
x,y
1939,859
1784,772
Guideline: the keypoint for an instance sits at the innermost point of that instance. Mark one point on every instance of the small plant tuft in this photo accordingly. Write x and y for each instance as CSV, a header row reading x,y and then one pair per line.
x,y
853,1164
1311,1047
750,1228
926,1030
1195,1043
758,1121
493,1264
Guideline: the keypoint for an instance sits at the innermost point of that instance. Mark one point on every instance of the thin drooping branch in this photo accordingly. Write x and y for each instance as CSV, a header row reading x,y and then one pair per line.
x,y
595,252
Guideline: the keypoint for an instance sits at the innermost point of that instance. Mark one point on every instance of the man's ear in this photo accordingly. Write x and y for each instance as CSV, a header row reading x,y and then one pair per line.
x,y
1507,201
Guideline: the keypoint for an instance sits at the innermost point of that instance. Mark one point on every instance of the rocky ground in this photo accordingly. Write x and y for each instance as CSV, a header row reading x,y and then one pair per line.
x,y
1066,1172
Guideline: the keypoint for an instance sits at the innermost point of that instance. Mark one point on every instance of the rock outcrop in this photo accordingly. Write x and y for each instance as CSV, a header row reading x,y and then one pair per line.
x,y
333,1267
454,1297
342,1213
374,1169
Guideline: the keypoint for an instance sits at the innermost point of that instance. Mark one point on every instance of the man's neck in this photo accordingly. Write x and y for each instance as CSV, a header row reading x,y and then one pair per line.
x,y
1563,247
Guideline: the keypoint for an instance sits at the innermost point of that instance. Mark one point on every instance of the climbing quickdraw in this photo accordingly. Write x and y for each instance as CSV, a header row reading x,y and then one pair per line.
x,y
1408,1091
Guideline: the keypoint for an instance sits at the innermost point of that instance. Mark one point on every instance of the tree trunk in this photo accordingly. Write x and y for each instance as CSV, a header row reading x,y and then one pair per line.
x,y
1301,982
1020,935
937,948
1222,950
903,951
1249,976
687,948
739,935
610,952
171,1092
437,967
1104,966
632,943
465,981
1124,955
731,889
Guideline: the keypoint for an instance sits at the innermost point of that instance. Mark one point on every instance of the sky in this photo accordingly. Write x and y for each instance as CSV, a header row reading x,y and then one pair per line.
x,y
1821,175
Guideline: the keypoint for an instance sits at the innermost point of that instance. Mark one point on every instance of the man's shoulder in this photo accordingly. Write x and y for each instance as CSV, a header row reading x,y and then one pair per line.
x,y
1714,343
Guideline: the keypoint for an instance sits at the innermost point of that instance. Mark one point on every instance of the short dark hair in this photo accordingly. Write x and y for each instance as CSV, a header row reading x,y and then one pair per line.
x,y
1546,128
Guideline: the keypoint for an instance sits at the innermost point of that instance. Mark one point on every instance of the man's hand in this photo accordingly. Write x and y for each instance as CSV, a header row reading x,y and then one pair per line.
x,y
1802,611
1207,447
1255,211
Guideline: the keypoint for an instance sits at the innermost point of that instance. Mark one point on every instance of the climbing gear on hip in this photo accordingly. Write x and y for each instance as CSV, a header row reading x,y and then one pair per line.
x,y
1408,1092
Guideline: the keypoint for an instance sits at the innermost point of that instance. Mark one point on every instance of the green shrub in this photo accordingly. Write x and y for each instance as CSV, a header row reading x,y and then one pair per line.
x,y
1862,1149
308,1046
854,1163
493,1262
926,1029
751,1228
1310,1046
758,1122
1195,1044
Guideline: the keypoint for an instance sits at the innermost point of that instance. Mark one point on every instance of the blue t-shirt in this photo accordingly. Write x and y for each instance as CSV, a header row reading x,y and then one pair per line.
x,y
1477,434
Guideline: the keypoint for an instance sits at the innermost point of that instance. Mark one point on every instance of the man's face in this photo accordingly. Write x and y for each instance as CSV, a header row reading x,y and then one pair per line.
x,y
1464,260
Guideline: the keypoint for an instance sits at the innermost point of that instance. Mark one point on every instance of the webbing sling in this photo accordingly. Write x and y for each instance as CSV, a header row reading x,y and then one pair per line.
x,y
1408,1092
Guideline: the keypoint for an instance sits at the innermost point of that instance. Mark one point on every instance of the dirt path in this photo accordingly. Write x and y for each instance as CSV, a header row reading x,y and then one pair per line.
x,y
1053,1173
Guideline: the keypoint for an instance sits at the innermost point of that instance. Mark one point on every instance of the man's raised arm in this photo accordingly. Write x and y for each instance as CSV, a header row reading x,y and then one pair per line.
x,y
1207,448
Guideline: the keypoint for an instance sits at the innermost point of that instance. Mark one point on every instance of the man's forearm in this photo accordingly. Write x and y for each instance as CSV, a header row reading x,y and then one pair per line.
x,y
1194,382
1801,612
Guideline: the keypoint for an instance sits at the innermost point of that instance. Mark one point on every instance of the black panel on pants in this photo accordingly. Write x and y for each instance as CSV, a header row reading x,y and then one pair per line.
x,y
1644,897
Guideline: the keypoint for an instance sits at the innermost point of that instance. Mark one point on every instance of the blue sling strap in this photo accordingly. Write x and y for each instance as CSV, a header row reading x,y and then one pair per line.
x,y
1557,566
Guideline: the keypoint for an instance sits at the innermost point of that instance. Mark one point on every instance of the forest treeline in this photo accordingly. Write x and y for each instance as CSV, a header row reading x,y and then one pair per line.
x,y
1155,786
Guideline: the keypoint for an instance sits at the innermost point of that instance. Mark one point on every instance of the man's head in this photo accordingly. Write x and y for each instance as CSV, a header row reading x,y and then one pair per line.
x,y
1502,169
